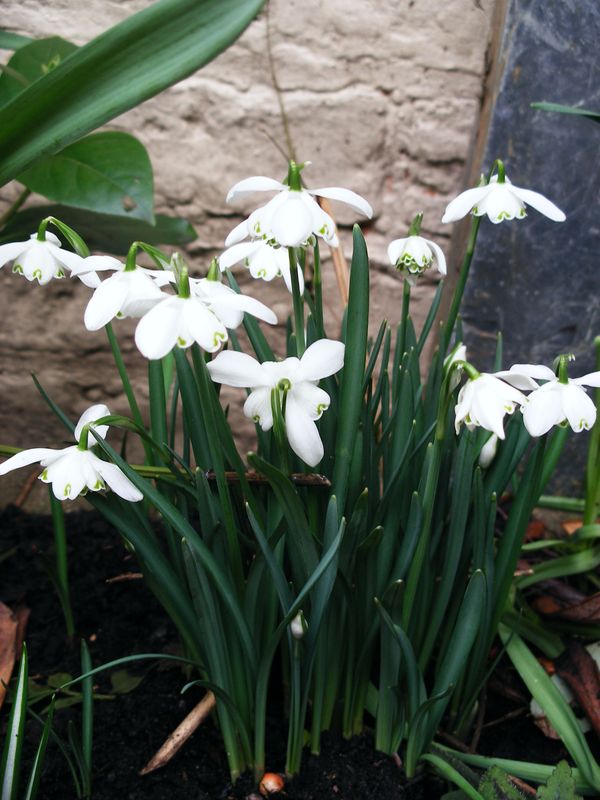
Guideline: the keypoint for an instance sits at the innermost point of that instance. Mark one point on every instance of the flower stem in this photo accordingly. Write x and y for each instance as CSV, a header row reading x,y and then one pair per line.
x,y
12,210
61,574
592,470
133,406
460,287
298,304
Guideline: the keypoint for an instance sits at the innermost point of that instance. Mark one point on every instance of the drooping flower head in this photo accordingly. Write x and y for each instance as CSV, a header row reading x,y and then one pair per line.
x,y
500,200
414,254
76,469
293,215
560,400
484,400
201,312
264,260
295,381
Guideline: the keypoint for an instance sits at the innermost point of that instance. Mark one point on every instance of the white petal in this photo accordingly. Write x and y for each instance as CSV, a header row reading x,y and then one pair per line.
x,y
38,263
540,203
292,223
66,475
322,224
544,409
323,358
157,331
591,379
27,457
439,256
462,204
257,183
238,369
314,400
287,277
203,325
243,303
355,201
537,371
237,234
97,264
12,250
91,415
236,253
516,379
396,249
118,482
66,257
258,407
501,204
105,303
579,409
302,433
89,279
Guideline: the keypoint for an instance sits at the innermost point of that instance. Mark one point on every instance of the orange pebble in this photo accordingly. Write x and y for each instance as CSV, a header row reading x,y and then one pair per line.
x,y
271,783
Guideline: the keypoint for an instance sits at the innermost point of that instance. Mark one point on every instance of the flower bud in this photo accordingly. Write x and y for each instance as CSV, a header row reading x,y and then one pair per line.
x,y
298,626
488,452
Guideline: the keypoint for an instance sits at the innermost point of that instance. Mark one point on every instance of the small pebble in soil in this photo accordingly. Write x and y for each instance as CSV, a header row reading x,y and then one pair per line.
x,y
271,783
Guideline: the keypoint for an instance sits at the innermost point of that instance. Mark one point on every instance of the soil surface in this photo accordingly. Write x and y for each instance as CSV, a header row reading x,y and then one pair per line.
x,y
120,618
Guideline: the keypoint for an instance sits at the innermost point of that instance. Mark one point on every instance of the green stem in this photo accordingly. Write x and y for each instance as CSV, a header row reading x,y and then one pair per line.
x,y
592,471
298,304
460,286
133,406
12,210
61,561
404,317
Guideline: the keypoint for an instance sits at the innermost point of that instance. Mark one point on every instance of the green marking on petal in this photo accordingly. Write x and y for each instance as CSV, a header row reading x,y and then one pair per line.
x,y
98,485
262,273
181,341
37,274
67,490
44,476
18,269
219,338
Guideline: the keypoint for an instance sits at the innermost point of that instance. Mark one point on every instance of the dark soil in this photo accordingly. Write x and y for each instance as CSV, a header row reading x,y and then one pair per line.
x,y
123,618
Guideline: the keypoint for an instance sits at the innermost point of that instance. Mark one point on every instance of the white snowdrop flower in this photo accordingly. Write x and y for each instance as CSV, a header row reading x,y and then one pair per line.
x,y
264,261
40,259
293,215
295,380
414,254
500,200
76,469
126,293
483,401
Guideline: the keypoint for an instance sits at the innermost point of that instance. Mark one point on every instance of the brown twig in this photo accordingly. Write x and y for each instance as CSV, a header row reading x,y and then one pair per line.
x,y
181,734
26,490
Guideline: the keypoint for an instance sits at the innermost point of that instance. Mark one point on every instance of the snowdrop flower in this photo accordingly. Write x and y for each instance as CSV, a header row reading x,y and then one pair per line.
x,y
296,382
488,452
483,401
414,254
457,356
263,260
40,259
500,200
293,215
559,401
127,293
202,316
75,469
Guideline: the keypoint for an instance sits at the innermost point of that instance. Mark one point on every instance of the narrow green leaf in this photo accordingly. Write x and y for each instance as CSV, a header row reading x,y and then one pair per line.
x,y
13,41
451,774
561,109
108,172
32,61
121,68
10,767
87,717
38,762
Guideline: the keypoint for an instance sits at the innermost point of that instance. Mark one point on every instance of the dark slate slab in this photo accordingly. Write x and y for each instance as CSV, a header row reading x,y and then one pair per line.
x,y
535,280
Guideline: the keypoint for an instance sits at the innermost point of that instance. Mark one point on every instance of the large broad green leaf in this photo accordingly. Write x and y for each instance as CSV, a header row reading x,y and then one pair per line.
x,y
102,232
119,69
107,172
30,63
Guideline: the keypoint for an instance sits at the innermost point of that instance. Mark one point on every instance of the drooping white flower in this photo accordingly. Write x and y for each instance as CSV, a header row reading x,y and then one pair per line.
x,y
263,260
293,215
500,201
40,260
203,317
557,402
488,452
74,470
483,401
414,254
126,293
296,382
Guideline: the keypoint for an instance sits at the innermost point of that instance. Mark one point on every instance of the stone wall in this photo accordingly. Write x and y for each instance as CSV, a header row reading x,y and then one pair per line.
x,y
382,96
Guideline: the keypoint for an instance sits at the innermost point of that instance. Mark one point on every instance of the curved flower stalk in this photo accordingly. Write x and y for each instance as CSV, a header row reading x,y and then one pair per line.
x,y
415,254
500,200
559,401
76,469
264,261
295,380
42,260
202,316
293,215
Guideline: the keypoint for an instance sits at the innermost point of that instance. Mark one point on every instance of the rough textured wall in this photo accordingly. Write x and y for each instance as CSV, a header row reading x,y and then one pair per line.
x,y
381,96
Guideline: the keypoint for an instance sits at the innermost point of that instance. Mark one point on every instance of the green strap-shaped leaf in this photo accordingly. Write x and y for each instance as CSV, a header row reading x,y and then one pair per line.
x,y
13,41
114,72
11,757
30,63
108,172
